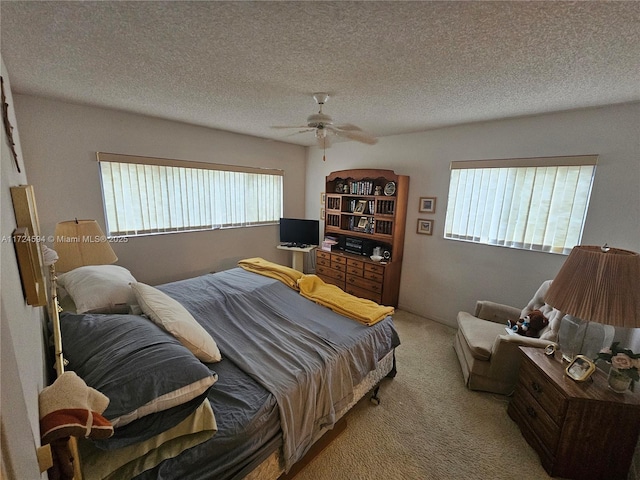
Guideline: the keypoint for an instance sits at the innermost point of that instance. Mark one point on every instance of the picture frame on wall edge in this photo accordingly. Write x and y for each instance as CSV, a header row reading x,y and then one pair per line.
x,y
427,205
425,227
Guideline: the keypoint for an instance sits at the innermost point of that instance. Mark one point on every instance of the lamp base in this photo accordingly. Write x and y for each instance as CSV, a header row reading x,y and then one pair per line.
x,y
571,336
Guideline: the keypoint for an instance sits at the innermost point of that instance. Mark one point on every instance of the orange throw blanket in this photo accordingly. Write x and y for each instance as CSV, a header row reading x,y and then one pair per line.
x,y
360,309
286,275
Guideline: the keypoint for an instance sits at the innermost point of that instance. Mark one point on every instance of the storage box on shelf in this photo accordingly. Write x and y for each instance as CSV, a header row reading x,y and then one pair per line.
x,y
369,207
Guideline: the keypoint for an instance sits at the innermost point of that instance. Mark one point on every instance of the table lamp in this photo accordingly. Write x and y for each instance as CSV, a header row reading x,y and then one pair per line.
x,y
598,284
80,243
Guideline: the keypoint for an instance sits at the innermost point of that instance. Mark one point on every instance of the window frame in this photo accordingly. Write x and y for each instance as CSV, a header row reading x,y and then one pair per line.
x,y
526,173
103,158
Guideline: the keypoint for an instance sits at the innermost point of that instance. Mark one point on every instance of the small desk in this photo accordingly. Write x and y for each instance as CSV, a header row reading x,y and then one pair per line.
x,y
297,254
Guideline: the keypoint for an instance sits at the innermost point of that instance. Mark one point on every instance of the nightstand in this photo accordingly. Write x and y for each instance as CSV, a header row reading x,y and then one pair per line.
x,y
580,430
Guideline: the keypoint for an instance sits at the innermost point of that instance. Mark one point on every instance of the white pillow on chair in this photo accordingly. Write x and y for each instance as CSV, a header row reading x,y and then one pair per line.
x,y
550,332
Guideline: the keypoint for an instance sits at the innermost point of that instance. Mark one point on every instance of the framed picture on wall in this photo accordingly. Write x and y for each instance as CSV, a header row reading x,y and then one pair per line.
x,y
322,198
427,205
425,227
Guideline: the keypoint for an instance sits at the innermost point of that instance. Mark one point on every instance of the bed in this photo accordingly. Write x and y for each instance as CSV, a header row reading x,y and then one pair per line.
x,y
288,370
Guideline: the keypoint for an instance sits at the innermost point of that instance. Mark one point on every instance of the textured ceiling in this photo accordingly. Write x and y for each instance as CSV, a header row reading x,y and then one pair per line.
x,y
391,67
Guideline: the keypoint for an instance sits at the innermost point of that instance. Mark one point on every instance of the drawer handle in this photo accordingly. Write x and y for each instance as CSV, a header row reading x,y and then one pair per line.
x,y
532,413
536,388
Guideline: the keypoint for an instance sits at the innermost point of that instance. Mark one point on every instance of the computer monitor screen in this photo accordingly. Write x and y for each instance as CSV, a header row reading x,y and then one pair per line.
x,y
299,231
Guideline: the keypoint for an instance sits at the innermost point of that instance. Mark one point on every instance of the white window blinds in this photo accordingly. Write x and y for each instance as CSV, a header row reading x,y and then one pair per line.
x,y
145,195
529,203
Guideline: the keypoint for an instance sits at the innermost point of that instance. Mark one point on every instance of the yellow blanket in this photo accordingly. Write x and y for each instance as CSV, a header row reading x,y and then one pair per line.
x,y
286,275
360,309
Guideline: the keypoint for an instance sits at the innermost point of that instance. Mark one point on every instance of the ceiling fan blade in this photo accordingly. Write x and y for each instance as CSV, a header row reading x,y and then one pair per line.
x,y
289,126
358,136
348,127
299,131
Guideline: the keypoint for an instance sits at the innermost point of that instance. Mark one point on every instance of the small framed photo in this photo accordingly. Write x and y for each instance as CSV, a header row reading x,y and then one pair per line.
x,y
322,213
361,206
425,227
580,368
427,205
363,222
322,198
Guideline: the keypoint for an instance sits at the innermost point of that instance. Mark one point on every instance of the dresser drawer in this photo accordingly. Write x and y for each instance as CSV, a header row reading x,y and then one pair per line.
x,y
543,391
374,276
338,260
362,293
364,284
330,272
352,262
539,422
374,268
355,268
322,254
323,261
340,267
333,281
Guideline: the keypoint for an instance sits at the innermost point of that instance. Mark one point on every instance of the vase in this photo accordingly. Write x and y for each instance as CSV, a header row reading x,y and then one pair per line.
x,y
618,380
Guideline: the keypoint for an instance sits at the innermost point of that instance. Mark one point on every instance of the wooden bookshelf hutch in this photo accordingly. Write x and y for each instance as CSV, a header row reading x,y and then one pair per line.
x,y
365,209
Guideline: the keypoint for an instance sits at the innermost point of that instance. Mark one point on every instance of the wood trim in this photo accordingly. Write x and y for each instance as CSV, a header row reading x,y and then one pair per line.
x,y
360,174
27,241
168,162
573,160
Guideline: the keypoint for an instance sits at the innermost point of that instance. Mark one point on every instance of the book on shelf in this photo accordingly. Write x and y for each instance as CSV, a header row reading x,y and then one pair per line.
x,y
328,243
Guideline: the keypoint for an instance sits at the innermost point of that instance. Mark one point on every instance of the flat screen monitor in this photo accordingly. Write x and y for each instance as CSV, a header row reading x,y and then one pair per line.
x,y
299,232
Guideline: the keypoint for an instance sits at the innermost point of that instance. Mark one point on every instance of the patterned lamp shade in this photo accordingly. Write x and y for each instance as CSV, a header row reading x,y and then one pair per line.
x,y
79,243
599,284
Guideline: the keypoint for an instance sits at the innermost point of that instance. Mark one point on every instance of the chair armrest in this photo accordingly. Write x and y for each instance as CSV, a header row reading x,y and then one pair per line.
x,y
518,341
506,357
496,312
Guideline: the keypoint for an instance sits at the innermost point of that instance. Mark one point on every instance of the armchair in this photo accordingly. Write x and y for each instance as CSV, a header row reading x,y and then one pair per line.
x,y
488,355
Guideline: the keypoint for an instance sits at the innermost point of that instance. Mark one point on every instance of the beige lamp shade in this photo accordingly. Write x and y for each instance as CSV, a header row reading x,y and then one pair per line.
x,y
599,284
79,243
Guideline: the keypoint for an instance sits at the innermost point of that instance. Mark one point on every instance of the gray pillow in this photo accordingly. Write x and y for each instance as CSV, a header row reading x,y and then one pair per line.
x,y
140,367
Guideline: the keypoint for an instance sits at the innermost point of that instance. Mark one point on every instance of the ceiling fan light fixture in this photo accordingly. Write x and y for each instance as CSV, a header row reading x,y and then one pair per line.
x,y
322,124
321,97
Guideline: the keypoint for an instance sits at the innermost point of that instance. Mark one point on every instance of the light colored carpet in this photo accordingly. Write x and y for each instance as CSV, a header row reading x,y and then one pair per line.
x,y
428,426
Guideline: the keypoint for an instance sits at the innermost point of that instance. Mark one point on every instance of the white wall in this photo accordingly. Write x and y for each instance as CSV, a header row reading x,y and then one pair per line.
x,y
441,277
22,343
60,142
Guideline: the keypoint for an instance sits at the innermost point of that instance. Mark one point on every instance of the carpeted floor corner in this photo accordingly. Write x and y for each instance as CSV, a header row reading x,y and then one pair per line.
x,y
428,425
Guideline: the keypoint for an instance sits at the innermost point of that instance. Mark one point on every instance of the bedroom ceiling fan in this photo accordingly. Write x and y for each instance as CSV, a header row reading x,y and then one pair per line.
x,y
322,125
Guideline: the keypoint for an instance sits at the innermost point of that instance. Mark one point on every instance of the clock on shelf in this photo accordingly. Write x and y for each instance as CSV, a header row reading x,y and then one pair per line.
x,y
390,188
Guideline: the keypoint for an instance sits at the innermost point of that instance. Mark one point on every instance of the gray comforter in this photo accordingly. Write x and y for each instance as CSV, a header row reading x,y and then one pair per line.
x,y
307,356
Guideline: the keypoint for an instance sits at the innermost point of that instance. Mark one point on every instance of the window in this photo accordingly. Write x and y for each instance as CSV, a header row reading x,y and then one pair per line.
x,y
529,203
144,195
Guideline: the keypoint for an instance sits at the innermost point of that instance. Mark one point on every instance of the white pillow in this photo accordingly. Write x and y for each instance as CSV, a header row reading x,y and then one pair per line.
x,y
99,288
175,319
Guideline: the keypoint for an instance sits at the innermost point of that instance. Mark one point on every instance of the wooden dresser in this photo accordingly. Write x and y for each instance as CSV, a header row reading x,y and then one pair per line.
x,y
580,430
367,208
356,275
